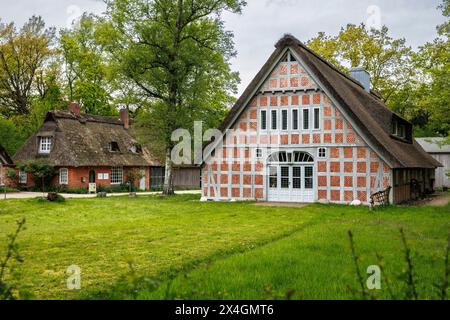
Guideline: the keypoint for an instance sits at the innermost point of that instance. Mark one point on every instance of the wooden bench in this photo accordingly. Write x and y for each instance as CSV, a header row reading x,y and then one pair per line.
x,y
380,198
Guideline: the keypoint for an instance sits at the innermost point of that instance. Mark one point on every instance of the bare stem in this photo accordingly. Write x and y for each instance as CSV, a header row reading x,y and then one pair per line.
x,y
11,248
412,293
355,260
446,272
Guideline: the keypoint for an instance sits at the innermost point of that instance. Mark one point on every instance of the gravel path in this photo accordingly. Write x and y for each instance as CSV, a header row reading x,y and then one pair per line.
x,y
441,200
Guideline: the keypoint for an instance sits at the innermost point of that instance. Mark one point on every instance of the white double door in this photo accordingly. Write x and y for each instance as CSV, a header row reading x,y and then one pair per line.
x,y
291,183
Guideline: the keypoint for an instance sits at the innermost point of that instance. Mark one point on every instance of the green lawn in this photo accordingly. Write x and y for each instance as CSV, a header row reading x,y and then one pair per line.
x,y
217,250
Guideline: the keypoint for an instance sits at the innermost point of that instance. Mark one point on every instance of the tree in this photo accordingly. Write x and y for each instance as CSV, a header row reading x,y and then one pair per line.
x,y
433,64
11,136
177,53
388,60
85,67
41,171
22,54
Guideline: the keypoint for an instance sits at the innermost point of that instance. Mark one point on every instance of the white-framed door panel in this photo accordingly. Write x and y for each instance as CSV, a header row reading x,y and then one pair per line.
x,y
292,183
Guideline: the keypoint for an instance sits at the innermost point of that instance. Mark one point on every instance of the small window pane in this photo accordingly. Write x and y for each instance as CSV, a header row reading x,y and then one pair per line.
x,y
263,120
274,119
63,176
258,153
295,119
116,175
305,119
284,177
317,118
22,177
308,177
284,119
401,131
45,145
273,177
296,178
394,127
322,153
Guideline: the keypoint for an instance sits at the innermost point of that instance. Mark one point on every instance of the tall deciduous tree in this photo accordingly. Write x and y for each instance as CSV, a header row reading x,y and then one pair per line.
x,y
433,64
388,60
177,53
85,67
22,54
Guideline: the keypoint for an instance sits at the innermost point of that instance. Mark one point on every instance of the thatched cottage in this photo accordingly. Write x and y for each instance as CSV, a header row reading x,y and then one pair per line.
x,y
89,149
303,131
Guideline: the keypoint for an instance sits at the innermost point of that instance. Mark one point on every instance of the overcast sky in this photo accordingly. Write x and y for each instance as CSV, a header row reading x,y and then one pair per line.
x,y
263,22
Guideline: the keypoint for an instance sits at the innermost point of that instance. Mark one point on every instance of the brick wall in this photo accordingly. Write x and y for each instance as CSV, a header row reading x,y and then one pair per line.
x,y
78,177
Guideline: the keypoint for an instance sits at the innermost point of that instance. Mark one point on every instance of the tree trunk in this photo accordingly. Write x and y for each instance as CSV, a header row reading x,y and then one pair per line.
x,y
168,181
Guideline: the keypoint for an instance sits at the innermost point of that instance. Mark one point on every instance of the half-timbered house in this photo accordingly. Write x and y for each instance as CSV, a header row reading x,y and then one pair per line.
x,y
303,131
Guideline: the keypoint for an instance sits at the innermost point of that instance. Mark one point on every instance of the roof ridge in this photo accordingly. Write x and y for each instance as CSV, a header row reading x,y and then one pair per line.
x,y
373,94
289,39
86,117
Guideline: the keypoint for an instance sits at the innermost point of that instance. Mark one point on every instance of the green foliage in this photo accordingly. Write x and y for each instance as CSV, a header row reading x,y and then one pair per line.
x,y
177,55
8,291
433,71
388,60
413,84
23,53
41,171
11,136
86,68
122,188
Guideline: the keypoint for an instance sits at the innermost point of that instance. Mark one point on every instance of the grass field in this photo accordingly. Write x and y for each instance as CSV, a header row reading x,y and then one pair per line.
x,y
217,250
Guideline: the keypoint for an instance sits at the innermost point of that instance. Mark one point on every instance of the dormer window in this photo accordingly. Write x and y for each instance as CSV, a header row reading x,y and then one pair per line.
x,y
45,145
136,148
398,129
114,146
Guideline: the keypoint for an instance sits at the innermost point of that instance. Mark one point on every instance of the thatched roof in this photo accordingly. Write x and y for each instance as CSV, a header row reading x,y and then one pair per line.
x,y
4,157
84,140
367,110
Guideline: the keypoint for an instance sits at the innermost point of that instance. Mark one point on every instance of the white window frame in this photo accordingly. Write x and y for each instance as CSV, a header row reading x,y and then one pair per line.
x,y
45,145
276,119
314,118
319,153
308,117
65,175
119,178
295,118
396,131
263,128
23,177
282,111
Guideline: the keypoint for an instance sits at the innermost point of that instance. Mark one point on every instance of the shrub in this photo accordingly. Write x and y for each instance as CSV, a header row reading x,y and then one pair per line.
x,y
54,197
117,189
41,171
